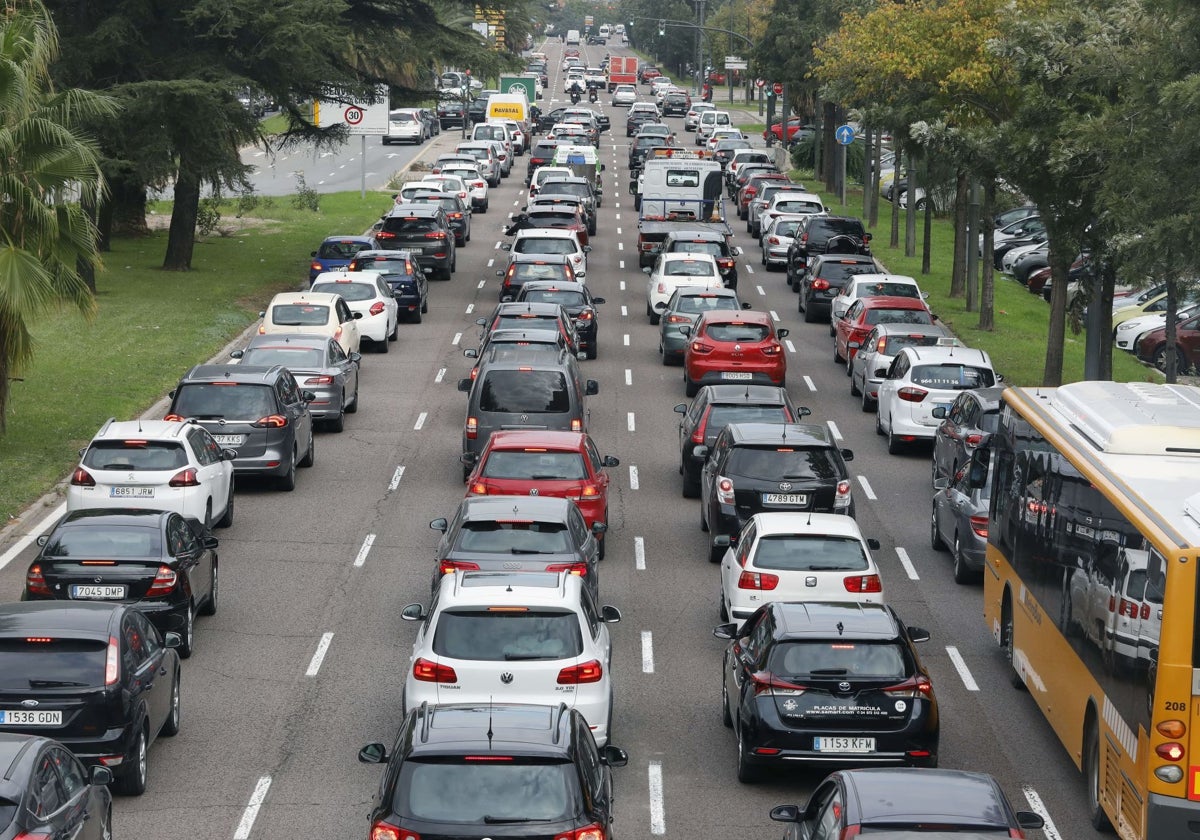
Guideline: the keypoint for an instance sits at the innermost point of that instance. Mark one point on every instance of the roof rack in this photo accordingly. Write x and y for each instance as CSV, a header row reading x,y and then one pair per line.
x,y
556,720
423,715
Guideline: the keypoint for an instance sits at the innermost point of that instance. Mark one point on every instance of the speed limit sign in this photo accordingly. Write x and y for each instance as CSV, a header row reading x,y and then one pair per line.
x,y
353,115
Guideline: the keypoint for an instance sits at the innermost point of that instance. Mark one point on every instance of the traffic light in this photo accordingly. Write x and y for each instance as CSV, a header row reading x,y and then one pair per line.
x,y
662,27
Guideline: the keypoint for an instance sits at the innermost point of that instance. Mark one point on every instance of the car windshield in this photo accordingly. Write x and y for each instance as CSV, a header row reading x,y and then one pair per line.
x,y
688,246
868,660
513,634
566,297
135,455
289,357
525,392
952,377
898,316
737,332
458,790
688,268
535,465
52,663
810,553
720,416
513,536
99,540
299,315
340,250
349,291
783,463
229,401
887,288
538,245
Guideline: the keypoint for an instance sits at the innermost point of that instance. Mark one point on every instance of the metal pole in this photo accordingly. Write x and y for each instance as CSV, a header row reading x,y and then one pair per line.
x,y
842,178
363,191
973,242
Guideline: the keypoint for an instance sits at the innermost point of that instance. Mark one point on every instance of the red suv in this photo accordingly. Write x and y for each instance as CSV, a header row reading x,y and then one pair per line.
x,y
730,347
852,329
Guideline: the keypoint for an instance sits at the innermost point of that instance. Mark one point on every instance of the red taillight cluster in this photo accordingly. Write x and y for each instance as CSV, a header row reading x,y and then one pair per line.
x,y
1128,608
436,235
472,430
588,832
427,671
271,421
678,319
819,285
914,687
577,569
914,395
164,582
447,567
701,348
82,478
863,583
772,350
765,682
973,440
758,581
384,234
319,380
184,478
112,661
587,672
35,582
979,525
376,308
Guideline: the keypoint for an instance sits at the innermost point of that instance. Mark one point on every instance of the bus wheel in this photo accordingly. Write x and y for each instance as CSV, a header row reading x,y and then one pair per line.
x,y
1091,774
1006,640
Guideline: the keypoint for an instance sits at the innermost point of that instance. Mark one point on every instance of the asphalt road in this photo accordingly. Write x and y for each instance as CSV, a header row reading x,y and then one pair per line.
x,y
306,659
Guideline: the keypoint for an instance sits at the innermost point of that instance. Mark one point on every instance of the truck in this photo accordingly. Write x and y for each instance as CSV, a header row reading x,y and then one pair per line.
x,y
682,192
622,70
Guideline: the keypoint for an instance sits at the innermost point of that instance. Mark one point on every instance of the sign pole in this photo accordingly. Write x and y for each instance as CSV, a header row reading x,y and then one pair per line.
x,y
363,186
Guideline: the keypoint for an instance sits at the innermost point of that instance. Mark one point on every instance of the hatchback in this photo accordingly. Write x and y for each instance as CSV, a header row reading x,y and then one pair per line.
x,y
706,241
405,276
424,230
45,792
523,268
336,252
686,304
319,365
870,364
827,683
674,270
966,424
472,177
405,126
311,312
624,96
692,118
820,279
922,380
552,242
1152,347
959,522
371,300
873,285
577,301
850,330
531,315
786,201
734,347
457,210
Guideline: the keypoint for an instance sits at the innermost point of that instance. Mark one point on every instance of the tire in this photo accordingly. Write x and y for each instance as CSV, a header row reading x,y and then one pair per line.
x,y
747,773
703,519
854,390
214,591
689,387
726,717
935,539
383,346
837,356
311,455
395,334
352,408
1091,776
170,727
132,781
878,424
723,614
188,646
895,446
691,486
655,318
868,404
425,305
809,317
593,350
227,517
338,423
287,481
208,521
418,316
962,574
1006,641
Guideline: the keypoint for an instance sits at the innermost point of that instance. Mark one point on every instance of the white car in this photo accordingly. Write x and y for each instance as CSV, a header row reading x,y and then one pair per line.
x,y
519,138
448,183
1129,333
670,271
789,201
159,464
412,188
716,135
547,173
796,557
624,95
921,379
404,126
366,292
872,285
693,115
870,364
514,637
309,312
777,238
552,241
474,181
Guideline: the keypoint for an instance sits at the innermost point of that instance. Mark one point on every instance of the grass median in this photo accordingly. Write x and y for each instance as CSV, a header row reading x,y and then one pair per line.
x,y
152,325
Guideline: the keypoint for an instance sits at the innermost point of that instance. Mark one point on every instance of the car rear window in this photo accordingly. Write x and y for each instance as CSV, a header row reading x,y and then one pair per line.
x,y
888,288
689,246
810,553
540,245
525,392
783,463
699,304
393,264
299,315
737,332
720,416
454,789
898,316
839,270
59,662
951,376
289,357
551,186
841,227
349,291
786,227
688,268
551,217
562,298
135,455
526,322
409,225
230,401
534,465
511,635
879,660
796,206
97,540
403,118
340,250
513,537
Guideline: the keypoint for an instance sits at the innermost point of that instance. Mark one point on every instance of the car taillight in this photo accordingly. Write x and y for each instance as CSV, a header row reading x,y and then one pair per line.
x,y
760,581
772,350
384,234
804,237
841,498
449,567
820,285
678,319
973,440
184,478
478,489
271,421
376,308
765,683
438,235
662,287
912,394
724,490
35,582
317,266
337,333
472,427
586,315
576,425
587,672
112,661
980,527
576,569
479,184
881,345
164,582
588,832
701,348
319,380
1145,612
1128,609
455,215
914,687
426,671
725,263
772,240
82,478
863,583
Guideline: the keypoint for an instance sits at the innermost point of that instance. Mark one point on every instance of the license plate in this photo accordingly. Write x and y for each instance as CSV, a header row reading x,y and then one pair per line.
x,y
131,492
729,374
785,499
844,745
97,592
230,440
21,717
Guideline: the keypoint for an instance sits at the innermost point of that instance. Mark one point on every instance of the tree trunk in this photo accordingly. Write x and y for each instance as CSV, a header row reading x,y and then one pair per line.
x,y
910,211
1060,265
958,272
928,221
126,208
895,238
829,158
987,289
86,268
181,240
1108,282
873,186
1173,364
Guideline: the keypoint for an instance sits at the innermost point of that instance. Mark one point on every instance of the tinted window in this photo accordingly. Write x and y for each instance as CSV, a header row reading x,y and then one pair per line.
x,y
350,291
550,187
397,265
722,415
840,227
99,540
687,268
990,421
513,537
795,206
299,315
896,343
525,391
807,553
699,304
888,289
958,377
691,247
562,298
841,270
289,357
898,316
135,455
551,218
535,465
737,332
787,227
25,665
507,636
340,250
410,225
526,322
540,245
233,401
451,790
858,659
782,464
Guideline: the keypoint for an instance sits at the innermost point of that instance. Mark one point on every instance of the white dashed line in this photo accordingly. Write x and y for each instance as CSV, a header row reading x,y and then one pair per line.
x,y
622,282
658,822
750,268
618,217
639,554
909,568
618,231
361,557
834,430
812,386
626,339
620,246
441,374
621,264
628,376
630,422
491,262
457,338
624,311
470,308
647,652
774,315
251,812
420,421
482,283
1049,830
862,479
516,203
788,343
396,476
761,290
633,478
960,665
497,247
322,646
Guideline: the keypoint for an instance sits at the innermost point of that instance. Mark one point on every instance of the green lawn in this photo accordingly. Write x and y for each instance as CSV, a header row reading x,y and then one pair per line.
x,y
150,327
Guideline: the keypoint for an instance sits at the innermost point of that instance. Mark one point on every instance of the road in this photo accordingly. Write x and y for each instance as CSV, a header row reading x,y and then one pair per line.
x,y
306,660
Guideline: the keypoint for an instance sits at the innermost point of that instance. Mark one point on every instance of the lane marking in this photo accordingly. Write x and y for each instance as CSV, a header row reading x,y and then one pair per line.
x,y
639,554
491,262
907,564
497,246
396,476
457,338
618,231
960,665
647,652
791,347
622,287
34,533
621,264
624,311
631,423
633,478
1050,830
361,557
481,284
658,823
618,219
628,376
774,315
441,374
834,430
420,421
470,308
251,812
750,268
322,648
862,479
620,246
626,339
761,291
812,386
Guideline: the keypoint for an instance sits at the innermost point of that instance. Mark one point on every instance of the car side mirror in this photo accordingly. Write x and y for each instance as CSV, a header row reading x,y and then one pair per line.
x,y
98,775
1029,819
803,411
499,273
735,251
941,483
413,612
700,453
614,756
610,614
686,329
211,542
43,539
505,246
602,167
471,352
598,301
847,454
237,354
262,314
469,459
358,316
464,385
591,388
647,270
314,253
722,541
725,631
786,813
746,304
439,524
373,754
939,412
307,396
172,640
481,322
918,634
783,333
611,461
599,527
681,408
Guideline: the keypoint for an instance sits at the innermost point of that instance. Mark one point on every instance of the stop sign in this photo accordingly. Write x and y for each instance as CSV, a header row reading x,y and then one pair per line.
x,y
778,88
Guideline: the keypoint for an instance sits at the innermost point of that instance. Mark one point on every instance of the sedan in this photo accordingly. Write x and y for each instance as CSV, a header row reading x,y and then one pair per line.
x,y
371,300
1153,346
624,95
734,347
959,521
578,302
686,304
61,798
673,270
319,364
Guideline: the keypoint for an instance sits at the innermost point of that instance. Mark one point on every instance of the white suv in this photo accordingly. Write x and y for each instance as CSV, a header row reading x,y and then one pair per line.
x,y
159,464
552,241
514,637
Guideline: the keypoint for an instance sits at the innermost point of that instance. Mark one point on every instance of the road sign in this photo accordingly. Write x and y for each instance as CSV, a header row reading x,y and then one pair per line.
x,y
845,134
352,115
358,117
735,62
777,88
517,84
761,83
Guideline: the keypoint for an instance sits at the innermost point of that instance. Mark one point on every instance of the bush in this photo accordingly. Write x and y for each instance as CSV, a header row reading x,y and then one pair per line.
x,y
208,215
804,156
306,198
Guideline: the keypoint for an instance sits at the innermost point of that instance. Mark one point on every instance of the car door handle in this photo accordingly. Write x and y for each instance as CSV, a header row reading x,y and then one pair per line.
x,y
163,671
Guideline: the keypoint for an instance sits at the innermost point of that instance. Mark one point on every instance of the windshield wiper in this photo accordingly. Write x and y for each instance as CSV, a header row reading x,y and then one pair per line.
x,y
530,551
829,672
490,820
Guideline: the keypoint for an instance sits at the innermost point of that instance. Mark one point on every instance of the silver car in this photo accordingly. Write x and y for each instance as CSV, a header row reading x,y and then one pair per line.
x,y
869,365
777,239
959,522
686,304
319,365
624,95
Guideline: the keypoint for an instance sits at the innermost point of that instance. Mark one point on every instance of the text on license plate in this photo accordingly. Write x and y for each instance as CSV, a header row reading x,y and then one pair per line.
x,y
785,499
230,440
740,376
90,591
20,717
844,745
131,492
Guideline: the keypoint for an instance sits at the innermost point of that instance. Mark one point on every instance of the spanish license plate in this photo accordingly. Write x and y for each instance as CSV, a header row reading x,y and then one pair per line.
x,y
131,492
90,591
736,375
21,717
785,498
844,745
230,440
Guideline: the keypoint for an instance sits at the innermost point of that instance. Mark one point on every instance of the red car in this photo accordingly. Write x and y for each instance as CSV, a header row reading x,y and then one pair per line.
x,y
794,125
851,330
563,465
748,189
1152,347
730,346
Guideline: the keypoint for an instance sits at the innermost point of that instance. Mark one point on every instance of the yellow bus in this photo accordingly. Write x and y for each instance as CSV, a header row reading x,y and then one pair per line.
x,y
1090,587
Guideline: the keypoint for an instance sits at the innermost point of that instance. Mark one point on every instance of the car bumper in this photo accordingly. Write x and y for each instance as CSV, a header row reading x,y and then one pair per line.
x,y
186,501
819,306
408,303
777,253
374,327
718,377
674,343
328,402
430,261
593,701
1127,341
109,745
905,427
274,461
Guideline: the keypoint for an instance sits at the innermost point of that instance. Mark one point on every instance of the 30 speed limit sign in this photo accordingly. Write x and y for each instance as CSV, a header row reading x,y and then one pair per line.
x,y
353,115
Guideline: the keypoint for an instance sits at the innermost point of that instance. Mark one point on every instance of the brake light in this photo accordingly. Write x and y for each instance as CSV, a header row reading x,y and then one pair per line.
x,y
586,315
1170,751
804,237
438,235
184,478
337,333
863,583
701,347
319,380
1145,613
472,426
32,835
271,421
576,425
914,687
772,350
576,569
973,440
678,319
112,661
772,240
1128,609
724,490
980,527
881,345
588,672
164,582
82,478
820,285
426,671
316,266
589,832
449,567
915,395
35,582
759,581
765,683
384,234
478,489
376,308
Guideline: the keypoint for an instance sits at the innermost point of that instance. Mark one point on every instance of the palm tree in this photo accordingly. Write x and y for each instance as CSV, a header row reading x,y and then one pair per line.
x,y
50,174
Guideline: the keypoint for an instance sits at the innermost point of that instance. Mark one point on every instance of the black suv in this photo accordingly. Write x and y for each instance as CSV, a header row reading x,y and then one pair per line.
x,y
502,770
830,235
402,272
541,154
451,112
424,230
820,279
763,467
676,104
258,411
577,300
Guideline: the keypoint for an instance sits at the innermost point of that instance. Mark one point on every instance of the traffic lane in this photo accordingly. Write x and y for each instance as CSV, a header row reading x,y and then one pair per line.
x,y
335,169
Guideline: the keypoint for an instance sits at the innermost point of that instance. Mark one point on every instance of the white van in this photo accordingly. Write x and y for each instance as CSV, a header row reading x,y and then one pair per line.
x,y
680,187
573,36
709,122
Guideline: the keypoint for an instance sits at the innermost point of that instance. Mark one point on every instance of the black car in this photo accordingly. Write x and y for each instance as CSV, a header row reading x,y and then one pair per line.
x,y
676,104
577,299
98,678
548,119
458,212
714,243
163,563
831,235
46,793
525,267
540,154
451,113
402,271
827,684
715,407
425,231
642,147
581,188
319,363
761,467
633,122
477,109
502,770
819,279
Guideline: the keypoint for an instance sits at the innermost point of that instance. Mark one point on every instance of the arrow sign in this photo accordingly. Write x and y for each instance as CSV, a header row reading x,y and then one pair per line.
x,y
845,134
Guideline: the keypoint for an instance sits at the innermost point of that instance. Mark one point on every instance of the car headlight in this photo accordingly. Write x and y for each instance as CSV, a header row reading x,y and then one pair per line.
x,y
1128,325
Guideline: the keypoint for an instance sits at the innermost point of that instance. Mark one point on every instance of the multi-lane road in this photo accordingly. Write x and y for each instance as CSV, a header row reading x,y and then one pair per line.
x,y
306,659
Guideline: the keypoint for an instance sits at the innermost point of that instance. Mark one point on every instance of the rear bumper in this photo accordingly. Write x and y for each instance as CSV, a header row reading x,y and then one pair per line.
x,y
757,377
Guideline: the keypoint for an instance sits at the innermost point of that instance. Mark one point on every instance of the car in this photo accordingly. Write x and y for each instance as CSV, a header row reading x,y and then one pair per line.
x,y
647,73
966,424
321,313
670,271
451,112
787,201
545,173
319,365
959,521
873,285
777,237
492,637
259,411
624,96
796,557
518,534
552,242
371,300
456,207
509,344
565,215
47,793
163,563
1152,348
485,156
751,177
692,118
819,279
404,274
921,380
471,174
541,154
1026,227
336,252
424,230
405,126
523,268
686,304
576,299
851,330
577,187
827,684
467,769
1127,335
714,408
832,235
748,155
757,467
766,196
97,677
676,103
411,189
870,364
896,802
735,346
797,130
510,315
724,150
655,129
706,241
641,147
717,135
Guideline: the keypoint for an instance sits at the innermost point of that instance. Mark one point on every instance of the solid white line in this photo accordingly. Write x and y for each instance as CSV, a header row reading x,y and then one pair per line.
x,y
628,376
33,534
491,262
791,347
960,665
470,308
639,554
761,291
420,421
658,823
774,315
633,478
862,479
622,287
631,424
1049,830
647,652
812,386
361,557
626,339
322,647
396,476
441,374
457,338
909,568
624,311
482,283
251,812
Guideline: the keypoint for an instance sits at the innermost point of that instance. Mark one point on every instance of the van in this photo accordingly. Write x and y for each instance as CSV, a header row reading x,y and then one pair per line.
x,y
508,106
680,187
582,161
573,36
709,122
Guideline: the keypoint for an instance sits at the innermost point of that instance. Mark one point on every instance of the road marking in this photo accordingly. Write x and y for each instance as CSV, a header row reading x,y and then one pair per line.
x,y
812,386
639,554
618,231
862,479
34,533
960,665
791,347
620,246
497,248
630,422
774,314
251,812
628,376
761,291
633,478
1049,830
618,218
834,430
622,282
441,374
624,311
470,308
361,557
647,652
481,284
658,823
516,204
396,476
907,564
420,421
750,268
457,338
621,264
626,339
491,262
319,656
